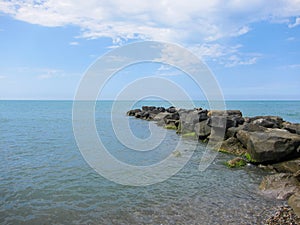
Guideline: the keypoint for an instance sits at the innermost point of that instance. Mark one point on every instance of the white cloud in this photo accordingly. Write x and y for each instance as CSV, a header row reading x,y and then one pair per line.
x,y
185,22
45,74
168,20
291,39
235,60
297,23
227,55
294,66
74,43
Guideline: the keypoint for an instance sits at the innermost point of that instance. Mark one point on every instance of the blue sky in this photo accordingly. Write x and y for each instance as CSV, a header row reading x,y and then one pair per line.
x,y
253,49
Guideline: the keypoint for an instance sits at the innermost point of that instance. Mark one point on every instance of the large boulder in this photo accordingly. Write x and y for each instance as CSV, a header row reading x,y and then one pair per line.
x,y
252,127
189,118
148,108
225,119
279,186
232,146
161,116
171,109
202,130
292,127
291,166
133,112
271,145
225,113
267,121
232,131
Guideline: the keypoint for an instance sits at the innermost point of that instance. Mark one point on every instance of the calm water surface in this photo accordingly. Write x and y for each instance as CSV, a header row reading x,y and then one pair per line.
x,y
45,180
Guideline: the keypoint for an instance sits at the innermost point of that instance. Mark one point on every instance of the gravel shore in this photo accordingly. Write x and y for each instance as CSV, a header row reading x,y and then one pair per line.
x,y
284,215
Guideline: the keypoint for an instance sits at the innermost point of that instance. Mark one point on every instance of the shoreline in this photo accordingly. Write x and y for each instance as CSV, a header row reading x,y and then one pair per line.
x,y
268,142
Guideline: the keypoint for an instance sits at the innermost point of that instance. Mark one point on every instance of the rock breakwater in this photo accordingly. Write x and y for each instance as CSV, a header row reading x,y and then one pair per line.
x,y
266,141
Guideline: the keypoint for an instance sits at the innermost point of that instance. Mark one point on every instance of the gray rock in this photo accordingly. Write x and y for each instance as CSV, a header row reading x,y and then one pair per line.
x,y
232,131
225,121
236,162
161,116
294,202
267,121
148,108
225,113
202,130
202,115
171,109
253,127
133,112
269,145
291,166
279,186
292,127
232,146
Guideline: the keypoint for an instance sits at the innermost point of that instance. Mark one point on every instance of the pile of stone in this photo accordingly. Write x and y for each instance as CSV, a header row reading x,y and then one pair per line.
x,y
267,141
264,139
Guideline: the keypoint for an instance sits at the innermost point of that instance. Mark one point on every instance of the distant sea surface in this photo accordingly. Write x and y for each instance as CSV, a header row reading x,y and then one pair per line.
x,y
45,180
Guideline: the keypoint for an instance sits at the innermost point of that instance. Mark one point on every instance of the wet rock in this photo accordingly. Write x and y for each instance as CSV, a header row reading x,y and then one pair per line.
x,y
279,186
272,145
291,166
171,109
297,175
294,202
148,108
267,121
225,119
202,115
224,113
232,131
133,112
172,116
161,109
292,127
161,116
188,119
253,127
202,130
233,146
236,162
142,115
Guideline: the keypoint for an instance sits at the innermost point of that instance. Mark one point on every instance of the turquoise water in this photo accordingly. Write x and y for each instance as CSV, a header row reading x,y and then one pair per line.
x,y
45,180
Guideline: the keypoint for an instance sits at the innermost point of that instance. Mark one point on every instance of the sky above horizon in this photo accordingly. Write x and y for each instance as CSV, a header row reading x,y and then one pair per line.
x,y
251,47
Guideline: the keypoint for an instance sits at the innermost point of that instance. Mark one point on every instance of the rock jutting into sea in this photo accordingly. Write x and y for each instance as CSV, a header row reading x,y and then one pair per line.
x,y
266,141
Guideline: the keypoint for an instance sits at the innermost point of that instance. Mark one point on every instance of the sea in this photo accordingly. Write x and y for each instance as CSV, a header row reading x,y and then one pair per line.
x,y
46,180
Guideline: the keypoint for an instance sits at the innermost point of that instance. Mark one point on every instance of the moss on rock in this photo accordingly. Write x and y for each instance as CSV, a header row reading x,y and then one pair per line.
x,y
190,134
236,162
171,127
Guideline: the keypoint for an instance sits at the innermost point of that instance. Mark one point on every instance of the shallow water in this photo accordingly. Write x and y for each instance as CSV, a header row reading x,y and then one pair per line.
x,y
45,180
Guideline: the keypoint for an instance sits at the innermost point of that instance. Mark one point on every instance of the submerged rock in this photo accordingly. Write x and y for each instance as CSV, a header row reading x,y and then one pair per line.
x,y
279,186
294,202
